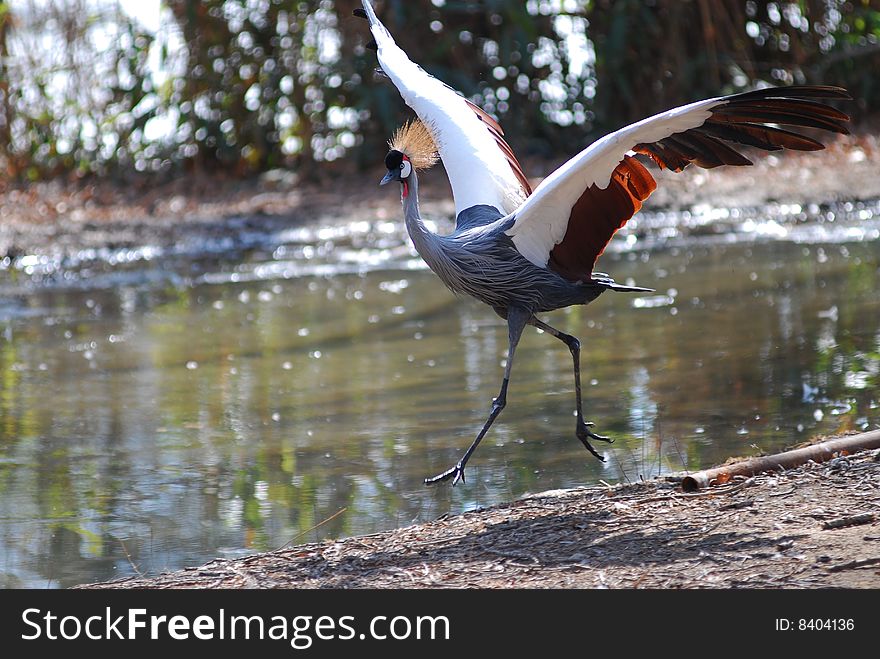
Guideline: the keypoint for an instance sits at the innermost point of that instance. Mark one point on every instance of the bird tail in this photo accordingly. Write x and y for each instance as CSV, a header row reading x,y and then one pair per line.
x,y
604,280
614,286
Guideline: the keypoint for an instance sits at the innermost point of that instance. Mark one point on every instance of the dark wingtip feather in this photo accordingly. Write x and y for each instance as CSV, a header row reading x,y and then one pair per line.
x,y
742,112
372,45
753,118
768,138
796,91
829,91
795,105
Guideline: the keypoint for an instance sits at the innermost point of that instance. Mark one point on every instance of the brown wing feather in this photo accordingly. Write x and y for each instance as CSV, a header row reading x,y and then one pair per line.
x,y
597,216
495,128
665,158
599,213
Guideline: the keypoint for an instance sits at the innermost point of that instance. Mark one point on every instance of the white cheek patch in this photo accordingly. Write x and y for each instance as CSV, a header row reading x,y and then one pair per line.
x,y
405,169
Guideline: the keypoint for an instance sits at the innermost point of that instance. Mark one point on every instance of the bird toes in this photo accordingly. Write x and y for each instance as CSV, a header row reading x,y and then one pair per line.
x,y
590,448
456,473
584,432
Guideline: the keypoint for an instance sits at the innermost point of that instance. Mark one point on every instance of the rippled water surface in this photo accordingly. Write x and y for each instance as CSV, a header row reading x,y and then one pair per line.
x,y
159,407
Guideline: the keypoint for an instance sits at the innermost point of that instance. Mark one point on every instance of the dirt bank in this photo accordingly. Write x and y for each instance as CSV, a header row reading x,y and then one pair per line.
x,y
59,217
817,526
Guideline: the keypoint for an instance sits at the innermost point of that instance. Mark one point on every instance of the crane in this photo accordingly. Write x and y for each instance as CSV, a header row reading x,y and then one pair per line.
x,y
524,251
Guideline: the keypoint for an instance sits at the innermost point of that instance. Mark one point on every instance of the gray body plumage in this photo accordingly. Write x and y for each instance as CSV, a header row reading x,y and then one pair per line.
x,y
480,260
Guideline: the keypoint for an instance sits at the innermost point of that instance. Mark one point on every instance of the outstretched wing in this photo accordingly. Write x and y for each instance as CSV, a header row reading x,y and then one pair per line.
x,y
569,219
480,165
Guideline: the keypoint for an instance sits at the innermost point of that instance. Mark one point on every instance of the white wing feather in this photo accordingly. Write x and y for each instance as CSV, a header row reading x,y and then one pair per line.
x,y
477,169
541,221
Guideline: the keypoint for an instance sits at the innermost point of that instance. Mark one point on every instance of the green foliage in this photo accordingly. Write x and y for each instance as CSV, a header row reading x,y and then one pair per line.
x,y
76,108
248,86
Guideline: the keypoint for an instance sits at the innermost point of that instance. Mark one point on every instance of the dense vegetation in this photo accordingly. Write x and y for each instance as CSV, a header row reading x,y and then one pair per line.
x,y
250,85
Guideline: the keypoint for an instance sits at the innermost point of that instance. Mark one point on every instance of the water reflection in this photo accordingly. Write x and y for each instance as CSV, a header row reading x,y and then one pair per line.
x,y
155,418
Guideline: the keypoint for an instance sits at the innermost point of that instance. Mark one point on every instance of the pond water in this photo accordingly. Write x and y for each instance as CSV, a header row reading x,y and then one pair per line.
x,y
159,409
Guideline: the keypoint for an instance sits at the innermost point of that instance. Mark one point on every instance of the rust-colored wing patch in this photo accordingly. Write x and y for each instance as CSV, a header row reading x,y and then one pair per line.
x,y
597,216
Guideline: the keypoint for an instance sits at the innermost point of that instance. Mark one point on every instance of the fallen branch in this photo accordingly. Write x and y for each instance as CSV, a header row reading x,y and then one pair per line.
x,y
853,520
739,504
789,459
852,565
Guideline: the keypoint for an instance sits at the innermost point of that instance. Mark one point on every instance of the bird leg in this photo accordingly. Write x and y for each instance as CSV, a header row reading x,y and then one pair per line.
x,y
516,322
582,430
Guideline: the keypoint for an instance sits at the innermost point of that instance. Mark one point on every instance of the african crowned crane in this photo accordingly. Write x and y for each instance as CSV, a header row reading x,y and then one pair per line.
x,y
522,251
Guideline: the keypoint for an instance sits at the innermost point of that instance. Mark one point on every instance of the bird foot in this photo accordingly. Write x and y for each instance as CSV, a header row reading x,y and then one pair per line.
x,y
456,473
583,431
584,434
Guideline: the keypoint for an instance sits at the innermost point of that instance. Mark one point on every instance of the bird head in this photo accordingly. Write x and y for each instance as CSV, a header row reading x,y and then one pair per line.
x,y
399,168
412,147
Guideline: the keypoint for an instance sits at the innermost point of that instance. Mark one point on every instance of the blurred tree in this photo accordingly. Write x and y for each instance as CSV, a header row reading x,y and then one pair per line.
x,y
268,83
76,107
819,42
6,108
654,55
259,84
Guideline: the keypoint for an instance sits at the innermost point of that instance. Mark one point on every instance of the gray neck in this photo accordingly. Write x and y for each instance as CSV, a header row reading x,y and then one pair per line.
x,y
422,238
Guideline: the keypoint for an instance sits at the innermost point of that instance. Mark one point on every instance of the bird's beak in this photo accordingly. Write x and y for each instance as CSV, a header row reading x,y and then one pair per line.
x,y
390,176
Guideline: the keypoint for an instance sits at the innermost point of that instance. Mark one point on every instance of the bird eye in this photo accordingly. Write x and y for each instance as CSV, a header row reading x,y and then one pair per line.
x,y
405,169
